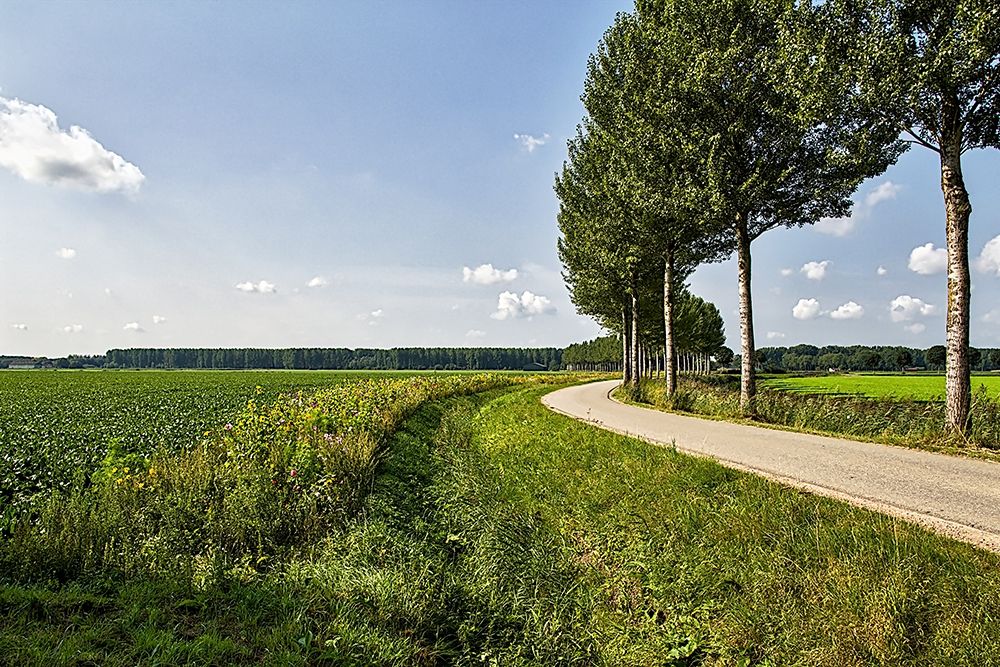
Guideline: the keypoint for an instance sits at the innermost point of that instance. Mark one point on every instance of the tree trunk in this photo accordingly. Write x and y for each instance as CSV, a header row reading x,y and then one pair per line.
x,y
958,209
669,349
748,380
635,336
626,345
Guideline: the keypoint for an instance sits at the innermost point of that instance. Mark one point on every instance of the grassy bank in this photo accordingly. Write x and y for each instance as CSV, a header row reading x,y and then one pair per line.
x,y
907,422
496,532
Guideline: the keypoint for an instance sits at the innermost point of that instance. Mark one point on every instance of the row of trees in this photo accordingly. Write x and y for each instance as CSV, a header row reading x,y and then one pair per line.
x,y
709,124
867,358
399,358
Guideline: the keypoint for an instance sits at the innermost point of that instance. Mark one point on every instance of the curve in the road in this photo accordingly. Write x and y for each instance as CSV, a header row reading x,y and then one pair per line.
x,y
959,497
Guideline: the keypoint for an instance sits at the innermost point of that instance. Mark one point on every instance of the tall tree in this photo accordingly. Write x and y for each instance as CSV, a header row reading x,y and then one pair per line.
x,y
931,68
770,145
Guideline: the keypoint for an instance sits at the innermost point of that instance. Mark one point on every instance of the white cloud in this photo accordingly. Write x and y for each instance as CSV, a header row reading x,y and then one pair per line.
x,y
787,272
19,327
65,253
33,147
318,281
485,274
530,142
989,258
848,311
806,309
512,306
774,335
905,308
882,192
915,328
73,328
133,326
474,333
262,287
815,270
928,260
159,319
881,270
107,291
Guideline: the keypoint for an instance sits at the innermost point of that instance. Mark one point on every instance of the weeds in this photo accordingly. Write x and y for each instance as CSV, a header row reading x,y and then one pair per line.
x,y
908,422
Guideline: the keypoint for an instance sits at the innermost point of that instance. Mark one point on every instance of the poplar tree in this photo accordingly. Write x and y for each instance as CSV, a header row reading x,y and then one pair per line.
x,y
766,141
931,70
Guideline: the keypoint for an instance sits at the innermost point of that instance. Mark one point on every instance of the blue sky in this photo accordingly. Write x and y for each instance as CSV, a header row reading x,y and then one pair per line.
x,y
369,149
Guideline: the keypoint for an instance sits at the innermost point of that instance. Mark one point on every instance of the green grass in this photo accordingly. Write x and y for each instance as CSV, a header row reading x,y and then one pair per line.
x,y
906,422
913,387
55,425
499,533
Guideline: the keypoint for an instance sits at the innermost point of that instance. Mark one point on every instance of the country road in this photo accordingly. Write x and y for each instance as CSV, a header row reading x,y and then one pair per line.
x,y
956,496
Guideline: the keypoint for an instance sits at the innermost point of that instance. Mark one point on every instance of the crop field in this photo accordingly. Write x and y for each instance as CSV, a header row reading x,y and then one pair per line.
x,y
914,387
56,425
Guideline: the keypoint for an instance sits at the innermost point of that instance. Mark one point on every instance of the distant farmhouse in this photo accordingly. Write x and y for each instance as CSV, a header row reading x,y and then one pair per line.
x,y
22,363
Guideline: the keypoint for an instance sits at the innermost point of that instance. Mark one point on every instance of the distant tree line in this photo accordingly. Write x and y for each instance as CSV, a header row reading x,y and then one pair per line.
x,y
605,353
398,358
867,358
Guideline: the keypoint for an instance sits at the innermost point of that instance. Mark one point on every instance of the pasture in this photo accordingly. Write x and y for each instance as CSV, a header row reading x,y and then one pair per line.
x,y
911,387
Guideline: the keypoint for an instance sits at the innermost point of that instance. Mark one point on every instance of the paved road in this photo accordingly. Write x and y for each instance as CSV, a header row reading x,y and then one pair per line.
x,y
957,496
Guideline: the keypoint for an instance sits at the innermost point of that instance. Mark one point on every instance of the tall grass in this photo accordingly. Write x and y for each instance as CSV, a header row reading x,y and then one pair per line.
x,y
277,478
895,421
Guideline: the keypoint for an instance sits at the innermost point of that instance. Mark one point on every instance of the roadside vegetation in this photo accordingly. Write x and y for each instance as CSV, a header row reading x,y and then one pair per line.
x,y
816,404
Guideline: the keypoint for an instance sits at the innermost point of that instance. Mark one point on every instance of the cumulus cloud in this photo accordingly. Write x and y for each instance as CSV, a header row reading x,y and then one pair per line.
x,y
318,281
485,274
806,309
65,253
884,191
989,258
262,287
815,270
881,270
915,328
133,326
848,311
34,147
774,335
19,327
787,272
529,142
73,328
928,260
511,306
475,333
159,319
905,308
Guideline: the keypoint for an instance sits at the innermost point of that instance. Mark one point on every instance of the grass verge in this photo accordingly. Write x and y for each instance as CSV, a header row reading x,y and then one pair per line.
x,y
905,422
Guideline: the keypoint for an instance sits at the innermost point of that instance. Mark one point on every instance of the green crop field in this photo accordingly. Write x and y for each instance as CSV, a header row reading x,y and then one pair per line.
x,y
55,425
917,387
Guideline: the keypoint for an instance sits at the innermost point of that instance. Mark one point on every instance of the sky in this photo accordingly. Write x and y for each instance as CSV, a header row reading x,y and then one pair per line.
x,y
375,174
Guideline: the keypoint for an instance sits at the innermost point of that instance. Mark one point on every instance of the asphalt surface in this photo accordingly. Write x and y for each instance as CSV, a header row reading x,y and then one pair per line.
x,y
959,497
